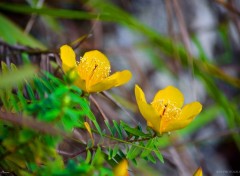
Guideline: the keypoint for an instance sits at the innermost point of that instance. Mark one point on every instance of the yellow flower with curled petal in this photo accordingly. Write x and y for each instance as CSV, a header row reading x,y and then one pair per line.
x,y
165,114
93,70
198,172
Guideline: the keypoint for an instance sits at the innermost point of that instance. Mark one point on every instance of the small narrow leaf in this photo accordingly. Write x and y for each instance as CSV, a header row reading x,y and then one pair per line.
x,y
151,158
88,158
133,131
158,154
117,127
115,150
109,127
98,127
147,151
30,92
133,152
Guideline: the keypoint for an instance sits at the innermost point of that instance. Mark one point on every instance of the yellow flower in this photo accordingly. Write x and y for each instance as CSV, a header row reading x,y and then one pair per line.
x,y
164,114
198,172
93,70
121,169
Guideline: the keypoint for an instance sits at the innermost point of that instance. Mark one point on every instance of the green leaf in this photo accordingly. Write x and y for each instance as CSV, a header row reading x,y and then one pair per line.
x,y
15,103
118,128
4,95
151,158
133,152
4,67
50,115
97,127
133,131
40,87
30,92
25,135
109,127
12,34
158,154
61,13
89,156
98,158
110,151
22,99
149,146
67,123
115,150
14,78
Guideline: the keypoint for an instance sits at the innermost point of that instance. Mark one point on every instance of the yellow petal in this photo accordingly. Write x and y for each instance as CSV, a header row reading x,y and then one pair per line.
x,y
87,126
198,172
121,169
169,95
93,67
68,58
147,111
191,110
81,84
188,113
117,79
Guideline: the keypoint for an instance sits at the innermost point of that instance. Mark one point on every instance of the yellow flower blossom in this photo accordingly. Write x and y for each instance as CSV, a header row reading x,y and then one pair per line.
x,y
93,70
165,114
198,172
121,169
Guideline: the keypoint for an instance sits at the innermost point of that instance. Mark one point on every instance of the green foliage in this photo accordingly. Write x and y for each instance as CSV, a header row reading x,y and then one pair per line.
x,y
10,79
30,146
12,34
52,101
133,140
28,149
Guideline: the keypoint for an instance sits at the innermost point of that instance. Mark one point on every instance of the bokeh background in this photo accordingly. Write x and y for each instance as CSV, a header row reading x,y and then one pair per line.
x,y
193,45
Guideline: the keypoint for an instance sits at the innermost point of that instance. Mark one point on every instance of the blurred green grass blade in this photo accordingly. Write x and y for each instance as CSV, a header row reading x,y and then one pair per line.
x,y
12,34
200,49
230,111
109,12
60,13
13,78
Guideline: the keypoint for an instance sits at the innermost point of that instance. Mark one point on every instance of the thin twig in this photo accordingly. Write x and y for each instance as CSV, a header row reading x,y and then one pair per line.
x,y
169,17
228,6
98,107
26,49
186,40
182,25
31,123
33,18
107,95
178,162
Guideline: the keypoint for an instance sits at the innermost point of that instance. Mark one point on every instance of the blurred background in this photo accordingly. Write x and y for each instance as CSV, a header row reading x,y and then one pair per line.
x,y
193,45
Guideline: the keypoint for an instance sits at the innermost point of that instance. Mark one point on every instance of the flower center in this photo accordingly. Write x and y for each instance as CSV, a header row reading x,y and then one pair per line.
x,y
93,68
167,111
